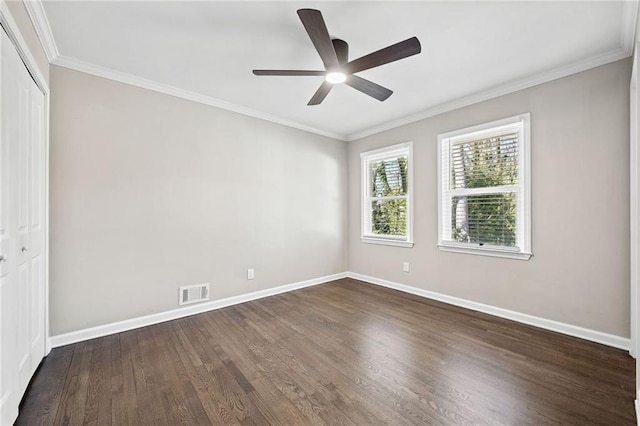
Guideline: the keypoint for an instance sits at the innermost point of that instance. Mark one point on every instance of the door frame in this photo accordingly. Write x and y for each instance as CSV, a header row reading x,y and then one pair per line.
x,y
634,204
634,167
13,31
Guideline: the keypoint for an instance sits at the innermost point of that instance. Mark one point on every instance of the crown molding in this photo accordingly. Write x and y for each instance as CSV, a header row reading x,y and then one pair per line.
x,y
144,83
629,26
501,90
628,30
13,32
40,22
491,93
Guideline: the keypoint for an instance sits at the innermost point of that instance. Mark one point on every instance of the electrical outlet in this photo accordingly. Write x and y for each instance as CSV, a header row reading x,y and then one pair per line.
x,y
405,266
250,274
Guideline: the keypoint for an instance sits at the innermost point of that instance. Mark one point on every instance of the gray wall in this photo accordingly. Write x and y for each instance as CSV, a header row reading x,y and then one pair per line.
x,y
579,273
150,192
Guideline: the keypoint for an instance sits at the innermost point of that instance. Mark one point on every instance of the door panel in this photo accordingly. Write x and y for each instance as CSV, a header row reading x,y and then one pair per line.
x,y
9,98
23,163
25,289
37,166
22,229
36,200
24,362
9,396
36,317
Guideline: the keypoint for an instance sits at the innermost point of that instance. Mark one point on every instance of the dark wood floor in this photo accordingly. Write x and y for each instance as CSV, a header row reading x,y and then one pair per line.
x,y
339,353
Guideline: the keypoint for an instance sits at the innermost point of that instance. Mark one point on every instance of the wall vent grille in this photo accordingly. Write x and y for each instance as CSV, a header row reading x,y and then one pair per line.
x,y
194,293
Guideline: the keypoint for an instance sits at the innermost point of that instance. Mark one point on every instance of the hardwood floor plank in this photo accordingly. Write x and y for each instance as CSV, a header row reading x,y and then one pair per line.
x,y
218,391
401,389
98,409
282,362
184,360
376,356
51,375
74,392
130,402
231,346
118,413
318,370
345,353
172,386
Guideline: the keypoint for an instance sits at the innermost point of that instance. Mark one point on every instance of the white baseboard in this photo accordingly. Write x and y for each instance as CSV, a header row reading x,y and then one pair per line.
x,y
571,330
130,324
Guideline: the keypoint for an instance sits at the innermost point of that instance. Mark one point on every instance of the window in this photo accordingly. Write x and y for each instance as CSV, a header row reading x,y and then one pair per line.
x,y
484,198
386,195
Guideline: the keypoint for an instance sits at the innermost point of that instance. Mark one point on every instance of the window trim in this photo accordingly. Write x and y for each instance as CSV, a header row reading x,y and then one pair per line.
x,y
365,214
523,252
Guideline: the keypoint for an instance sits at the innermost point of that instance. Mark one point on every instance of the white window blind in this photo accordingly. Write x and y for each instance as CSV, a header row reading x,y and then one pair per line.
x,y
386,201
484,189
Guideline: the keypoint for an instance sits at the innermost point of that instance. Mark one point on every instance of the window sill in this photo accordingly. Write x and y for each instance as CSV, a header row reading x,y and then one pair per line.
x,y
485,251
387,242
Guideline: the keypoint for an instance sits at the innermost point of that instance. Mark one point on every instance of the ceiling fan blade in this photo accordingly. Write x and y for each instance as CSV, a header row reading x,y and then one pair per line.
x,y
319,35
391,53
342,50
289,72
321,93
368,87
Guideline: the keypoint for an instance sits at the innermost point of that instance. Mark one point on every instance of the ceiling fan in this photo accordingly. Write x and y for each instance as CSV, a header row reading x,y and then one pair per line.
x,y
337,67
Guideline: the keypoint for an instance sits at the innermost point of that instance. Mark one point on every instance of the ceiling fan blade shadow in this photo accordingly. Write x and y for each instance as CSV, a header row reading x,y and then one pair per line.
x,y
290,72
321,93
395,52
368,87
319,35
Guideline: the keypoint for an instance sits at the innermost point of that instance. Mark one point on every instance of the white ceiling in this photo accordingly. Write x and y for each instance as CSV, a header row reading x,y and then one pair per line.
x,y
206,51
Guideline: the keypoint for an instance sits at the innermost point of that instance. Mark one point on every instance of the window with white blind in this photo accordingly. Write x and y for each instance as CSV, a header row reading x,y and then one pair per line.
x,y
484,198
386,195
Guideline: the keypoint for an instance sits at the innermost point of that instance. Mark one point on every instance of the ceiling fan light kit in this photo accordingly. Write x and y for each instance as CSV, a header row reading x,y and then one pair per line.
x,y
335,77
335,57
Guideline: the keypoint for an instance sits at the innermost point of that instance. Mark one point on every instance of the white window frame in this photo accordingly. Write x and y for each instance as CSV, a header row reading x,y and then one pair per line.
x,y
367,236
522,251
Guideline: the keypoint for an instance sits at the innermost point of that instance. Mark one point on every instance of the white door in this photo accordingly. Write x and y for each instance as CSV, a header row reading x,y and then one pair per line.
x,y
9,94
36,248
22,185
30,230
22,191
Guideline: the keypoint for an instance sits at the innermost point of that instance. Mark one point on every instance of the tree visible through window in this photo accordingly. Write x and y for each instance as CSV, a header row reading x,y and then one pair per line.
x,y
389,179
485,163
484,189
387,200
